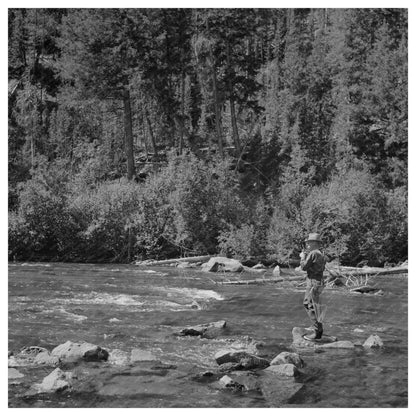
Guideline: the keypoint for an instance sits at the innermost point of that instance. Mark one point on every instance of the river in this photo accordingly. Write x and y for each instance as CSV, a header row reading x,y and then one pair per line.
x,y
125,307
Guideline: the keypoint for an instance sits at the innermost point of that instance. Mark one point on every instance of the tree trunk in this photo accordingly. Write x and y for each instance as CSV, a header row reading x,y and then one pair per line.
x,y
128,135
152,137
181,126
218,126
236,137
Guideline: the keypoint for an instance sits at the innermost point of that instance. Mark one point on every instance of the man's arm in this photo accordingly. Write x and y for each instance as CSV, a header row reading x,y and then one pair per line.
x,y
305,264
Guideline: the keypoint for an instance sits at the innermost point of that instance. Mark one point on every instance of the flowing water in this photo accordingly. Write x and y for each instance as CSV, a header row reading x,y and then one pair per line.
x,y
125,307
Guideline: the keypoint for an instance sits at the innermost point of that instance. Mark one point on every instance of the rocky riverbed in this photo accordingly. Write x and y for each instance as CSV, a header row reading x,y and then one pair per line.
x,y
100,336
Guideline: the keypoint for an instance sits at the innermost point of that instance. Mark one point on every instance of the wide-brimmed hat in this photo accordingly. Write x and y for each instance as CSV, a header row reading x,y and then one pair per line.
x,y
314,237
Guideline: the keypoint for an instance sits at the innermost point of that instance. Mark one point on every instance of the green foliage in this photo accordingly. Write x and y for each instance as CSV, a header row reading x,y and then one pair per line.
x,y
307,97
358,221
247,241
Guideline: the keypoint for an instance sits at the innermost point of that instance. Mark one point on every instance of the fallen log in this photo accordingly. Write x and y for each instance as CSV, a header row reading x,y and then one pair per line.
x,y
261,281
171,261
365,271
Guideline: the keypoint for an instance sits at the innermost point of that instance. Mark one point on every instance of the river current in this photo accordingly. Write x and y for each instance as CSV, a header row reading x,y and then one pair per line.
x,y
125,307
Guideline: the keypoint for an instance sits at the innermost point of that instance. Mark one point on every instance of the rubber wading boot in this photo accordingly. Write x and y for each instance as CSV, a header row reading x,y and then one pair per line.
x,y
317,334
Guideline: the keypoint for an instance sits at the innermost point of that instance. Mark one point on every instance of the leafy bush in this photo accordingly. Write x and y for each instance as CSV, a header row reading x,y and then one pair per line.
x,y
358,220
40,222
247,241
205,201
103,217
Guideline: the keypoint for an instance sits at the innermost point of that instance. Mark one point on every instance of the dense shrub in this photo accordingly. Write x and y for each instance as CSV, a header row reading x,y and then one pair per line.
x,y
358,220
247,241
103,218
205,201
37,228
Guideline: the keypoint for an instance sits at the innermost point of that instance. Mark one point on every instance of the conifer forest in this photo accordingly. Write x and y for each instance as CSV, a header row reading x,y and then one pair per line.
x,y
161,133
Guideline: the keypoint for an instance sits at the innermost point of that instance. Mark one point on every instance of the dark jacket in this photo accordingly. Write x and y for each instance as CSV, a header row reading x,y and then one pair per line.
x,y
314,265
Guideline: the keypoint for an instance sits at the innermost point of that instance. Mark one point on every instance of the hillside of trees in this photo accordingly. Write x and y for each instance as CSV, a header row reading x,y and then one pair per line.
x,y
154,133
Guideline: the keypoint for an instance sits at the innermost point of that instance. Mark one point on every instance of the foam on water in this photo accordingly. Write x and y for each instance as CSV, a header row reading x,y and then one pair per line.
x,y
191,293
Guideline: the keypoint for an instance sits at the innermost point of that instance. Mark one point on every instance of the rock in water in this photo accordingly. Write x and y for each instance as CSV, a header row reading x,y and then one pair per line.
x,y
209,330
13,374
229,383
230,356
223,264
277,390
337,344
286,357
299,341
46,358
287,370
72,352
56,381
373,341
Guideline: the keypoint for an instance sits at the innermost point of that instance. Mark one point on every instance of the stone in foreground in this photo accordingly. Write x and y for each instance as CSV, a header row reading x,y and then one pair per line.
x,y
56,381
373,341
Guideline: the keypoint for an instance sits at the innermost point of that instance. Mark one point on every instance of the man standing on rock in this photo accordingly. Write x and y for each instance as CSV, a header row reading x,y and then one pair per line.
x,y
313,262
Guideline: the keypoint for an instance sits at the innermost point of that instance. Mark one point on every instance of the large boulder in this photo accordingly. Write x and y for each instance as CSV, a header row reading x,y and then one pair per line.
x,y
209,330
286,357
222,264
73,352
373,341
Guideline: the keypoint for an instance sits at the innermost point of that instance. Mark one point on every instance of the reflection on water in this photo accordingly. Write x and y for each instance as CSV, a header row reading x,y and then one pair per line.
x,y
129,307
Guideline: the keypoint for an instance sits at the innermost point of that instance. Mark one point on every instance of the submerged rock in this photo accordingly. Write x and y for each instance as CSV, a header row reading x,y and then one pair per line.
x,y
222,264
336,344
209,330
286,357
373,341
72,352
